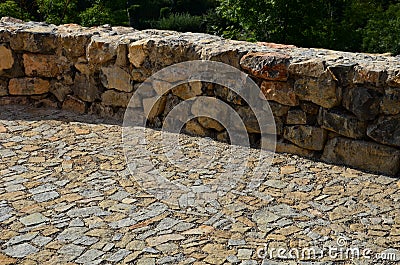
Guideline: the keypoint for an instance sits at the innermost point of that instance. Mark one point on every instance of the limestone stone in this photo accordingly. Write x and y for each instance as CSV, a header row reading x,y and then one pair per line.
x,y
154,106
188,90
363,102
7,59
28,86
42,65
296,117
86,88
74,104
193,127
73,41
33,219
368,74
308,137
322,91
209,123
342,123
393,78
137,53
362,154
37,39
268,66
390,104
102,49
60,90
249,119
278,110
154,241
281,92
386,130
117,78
3,88
282,147
310,68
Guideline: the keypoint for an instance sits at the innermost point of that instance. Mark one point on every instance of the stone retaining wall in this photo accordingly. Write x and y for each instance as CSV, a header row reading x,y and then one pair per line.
x,y
335,106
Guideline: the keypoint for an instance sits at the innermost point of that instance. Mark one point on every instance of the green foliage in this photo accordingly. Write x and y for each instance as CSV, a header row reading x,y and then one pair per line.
x,y
95,15
382,33
181,22
57,11
12,9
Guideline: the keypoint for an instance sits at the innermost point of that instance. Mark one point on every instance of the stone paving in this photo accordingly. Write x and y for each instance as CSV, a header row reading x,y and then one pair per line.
x,y
66,197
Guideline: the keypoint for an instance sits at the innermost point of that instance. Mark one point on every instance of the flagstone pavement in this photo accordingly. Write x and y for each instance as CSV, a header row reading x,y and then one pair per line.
x,y
67,197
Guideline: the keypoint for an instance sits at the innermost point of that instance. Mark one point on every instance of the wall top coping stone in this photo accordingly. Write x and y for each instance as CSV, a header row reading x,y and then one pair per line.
x,y
205,44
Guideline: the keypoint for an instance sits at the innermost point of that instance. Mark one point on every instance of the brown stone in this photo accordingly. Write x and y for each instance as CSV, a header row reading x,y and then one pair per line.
x,y
188,90
209,123
386,130
194,128
38,39
137,53
86,88
296,117
368,74
363,102
281,92
393,78
5,260
102,49
60,91
7,59
266,65
116,99
154,106
117,78
3,88
282,147
344,124
310,68
249,119
73,42
278,110
322,91
28,86
390,104
74,104
362,154
42,65
308,137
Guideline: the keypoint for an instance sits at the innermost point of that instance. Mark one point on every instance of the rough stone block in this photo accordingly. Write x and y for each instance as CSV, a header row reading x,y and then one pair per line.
x,y
309,137
28,86
116,99
390,103
43,65
344,124
386,130
38,39
86,88
363,102
310,68
362,154
266,65
281,92
74,104
322,91
6,58
117,78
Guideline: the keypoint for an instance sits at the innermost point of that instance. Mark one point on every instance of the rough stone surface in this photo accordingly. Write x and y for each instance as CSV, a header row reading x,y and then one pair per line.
x,y
269,66
28,86
363,102
117,78
312,138
386,130
280,92
42,65
7,59
342,123
374,157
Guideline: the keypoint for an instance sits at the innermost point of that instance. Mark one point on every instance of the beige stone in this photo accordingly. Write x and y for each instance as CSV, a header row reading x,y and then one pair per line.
x,y
42,65
7,59
194,128
116,99
28,86
117,78
74,104
137,53
154,241
281,92
310,68
188,90
154,106
362,154
209,123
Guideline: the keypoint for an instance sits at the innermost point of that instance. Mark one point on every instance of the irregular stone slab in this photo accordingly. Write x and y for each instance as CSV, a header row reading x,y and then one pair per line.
x,y
386,130
154,241
71,251
281,92
322,91
363,102
34,219
86,88
296,117
20,251
119,255
86,211
72,233
188,90
266,65
74,104
117,78
310,68
28,86
390,103
362,154
309,137
369,74
342,123
44,40
21,238
89,256
282,147
116,99
43,65
7,59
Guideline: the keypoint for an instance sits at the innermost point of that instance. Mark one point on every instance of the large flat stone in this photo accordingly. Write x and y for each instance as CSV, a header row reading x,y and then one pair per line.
x,y
309,137
362,154
266,65
28,86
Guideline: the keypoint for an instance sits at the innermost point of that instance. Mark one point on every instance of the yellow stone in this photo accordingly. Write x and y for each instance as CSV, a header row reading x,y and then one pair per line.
x,y
288,170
